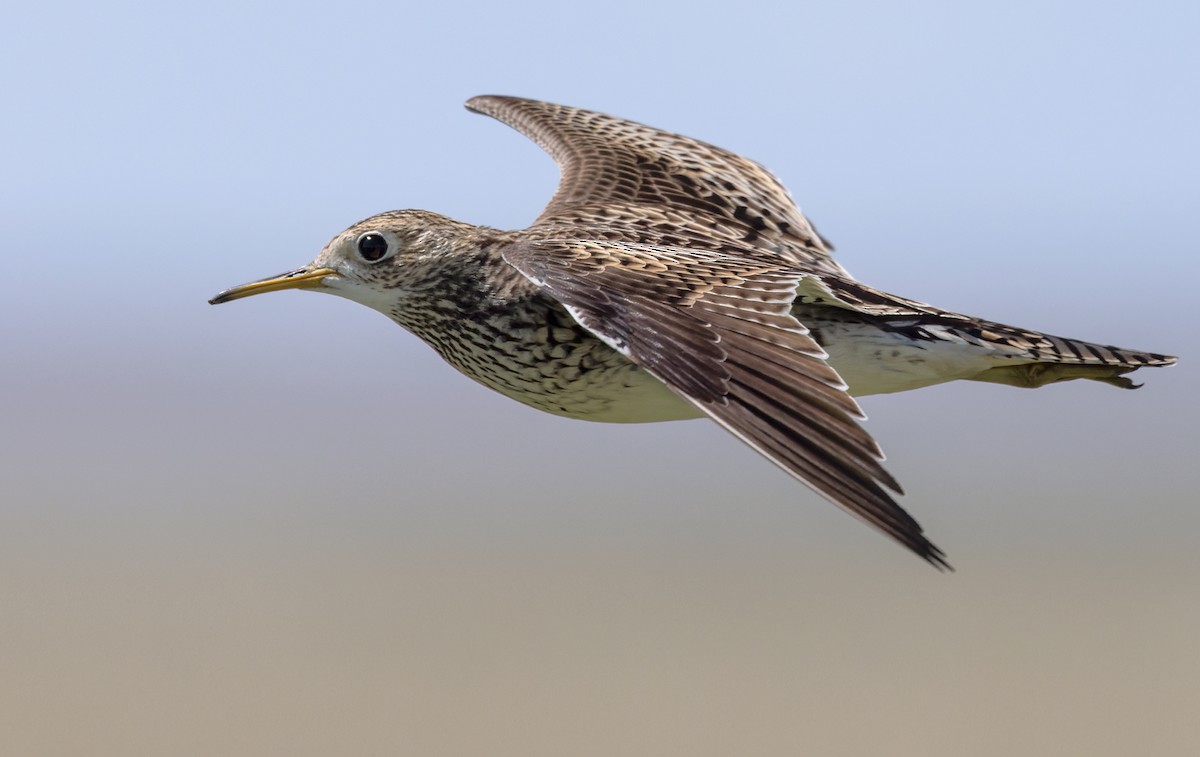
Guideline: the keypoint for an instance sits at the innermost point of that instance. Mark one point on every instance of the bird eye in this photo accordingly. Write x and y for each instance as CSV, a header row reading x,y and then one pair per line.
x,y
372,247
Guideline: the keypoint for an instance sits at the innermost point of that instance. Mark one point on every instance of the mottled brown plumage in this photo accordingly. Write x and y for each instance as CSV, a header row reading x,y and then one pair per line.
x,y
670,279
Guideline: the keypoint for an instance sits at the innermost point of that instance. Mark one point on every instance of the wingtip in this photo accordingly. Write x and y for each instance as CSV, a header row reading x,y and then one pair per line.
x,y
486,104
925,549
476,103
937,558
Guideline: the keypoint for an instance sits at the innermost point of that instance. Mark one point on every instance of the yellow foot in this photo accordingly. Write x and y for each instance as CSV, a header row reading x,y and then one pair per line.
x,y
1033,375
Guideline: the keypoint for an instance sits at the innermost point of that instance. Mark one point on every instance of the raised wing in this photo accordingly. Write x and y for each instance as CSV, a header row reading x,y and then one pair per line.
x,y
718,331
624,181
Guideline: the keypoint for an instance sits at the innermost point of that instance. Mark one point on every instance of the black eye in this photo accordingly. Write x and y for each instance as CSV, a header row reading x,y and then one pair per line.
x,y
372,247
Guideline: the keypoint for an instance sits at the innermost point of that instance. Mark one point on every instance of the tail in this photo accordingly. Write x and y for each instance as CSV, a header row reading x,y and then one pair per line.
x,y
1020,357
1040,359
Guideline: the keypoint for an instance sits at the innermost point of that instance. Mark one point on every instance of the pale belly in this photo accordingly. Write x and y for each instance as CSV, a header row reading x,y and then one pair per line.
x,y
621,396
872,360
565,371
578,376
597,383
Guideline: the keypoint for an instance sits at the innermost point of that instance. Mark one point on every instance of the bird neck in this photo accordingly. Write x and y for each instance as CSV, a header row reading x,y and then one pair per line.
x,y
470,282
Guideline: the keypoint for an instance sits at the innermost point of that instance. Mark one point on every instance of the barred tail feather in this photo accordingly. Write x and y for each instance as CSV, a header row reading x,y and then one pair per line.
x,y
1052,359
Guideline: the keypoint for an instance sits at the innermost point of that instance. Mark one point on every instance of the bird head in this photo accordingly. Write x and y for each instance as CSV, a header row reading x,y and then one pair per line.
x,y
375,262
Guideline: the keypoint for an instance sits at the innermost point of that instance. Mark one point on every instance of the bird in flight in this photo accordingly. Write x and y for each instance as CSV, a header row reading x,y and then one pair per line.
x,y
671,279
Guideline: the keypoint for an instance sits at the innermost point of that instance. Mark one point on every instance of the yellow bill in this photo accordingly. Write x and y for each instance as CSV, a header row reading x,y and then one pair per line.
x,y
302,278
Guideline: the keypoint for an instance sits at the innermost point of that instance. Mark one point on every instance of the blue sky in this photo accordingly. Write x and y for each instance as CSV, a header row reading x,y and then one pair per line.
x,y
1034,163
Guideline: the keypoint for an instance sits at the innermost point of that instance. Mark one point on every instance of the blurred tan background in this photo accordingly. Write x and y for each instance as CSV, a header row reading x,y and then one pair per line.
x,y
283,527
286,577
